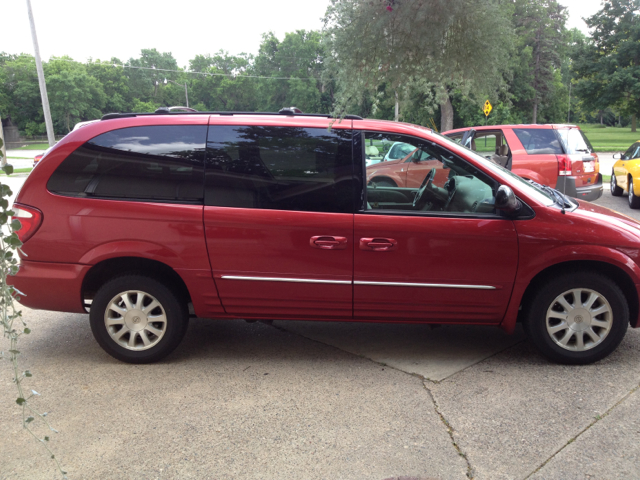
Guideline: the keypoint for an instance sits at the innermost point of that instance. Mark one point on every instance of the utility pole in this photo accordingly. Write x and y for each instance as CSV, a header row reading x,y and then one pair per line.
x,y
43,86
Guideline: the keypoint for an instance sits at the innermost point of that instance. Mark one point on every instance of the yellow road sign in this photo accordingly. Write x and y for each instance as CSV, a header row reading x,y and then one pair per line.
x,y
487,108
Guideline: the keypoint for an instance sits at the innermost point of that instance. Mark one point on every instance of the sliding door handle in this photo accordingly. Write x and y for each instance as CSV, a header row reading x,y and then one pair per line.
x,y
378,244
328,242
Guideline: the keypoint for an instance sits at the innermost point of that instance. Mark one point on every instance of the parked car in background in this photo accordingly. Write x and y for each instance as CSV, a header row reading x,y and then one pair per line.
x,y
144,220
37,159
559,156
625,174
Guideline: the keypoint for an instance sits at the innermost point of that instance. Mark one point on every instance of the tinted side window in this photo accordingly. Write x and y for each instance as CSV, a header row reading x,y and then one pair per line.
x,y
155,163
538,141
281,168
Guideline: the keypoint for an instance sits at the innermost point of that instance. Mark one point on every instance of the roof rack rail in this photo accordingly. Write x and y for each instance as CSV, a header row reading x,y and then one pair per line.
x,y
168,111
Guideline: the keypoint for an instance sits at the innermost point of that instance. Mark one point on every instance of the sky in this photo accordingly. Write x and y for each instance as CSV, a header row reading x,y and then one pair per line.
x,y
84,29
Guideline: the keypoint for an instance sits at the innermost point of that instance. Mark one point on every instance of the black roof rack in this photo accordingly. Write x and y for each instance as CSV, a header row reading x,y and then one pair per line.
x,y
292,111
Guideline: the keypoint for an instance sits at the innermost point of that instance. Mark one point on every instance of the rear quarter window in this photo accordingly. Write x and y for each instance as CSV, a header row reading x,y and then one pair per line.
x,y
538,141
574,141
153,163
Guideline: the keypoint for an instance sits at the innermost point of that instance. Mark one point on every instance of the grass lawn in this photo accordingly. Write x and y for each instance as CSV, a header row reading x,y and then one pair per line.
x,y
610,139
17,170
35,146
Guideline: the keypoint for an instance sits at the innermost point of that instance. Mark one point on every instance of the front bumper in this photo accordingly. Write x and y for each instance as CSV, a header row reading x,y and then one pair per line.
x,y
50,286
567,185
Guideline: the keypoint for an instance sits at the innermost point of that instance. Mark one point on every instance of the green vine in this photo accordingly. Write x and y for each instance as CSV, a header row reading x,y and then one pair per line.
x,y
13,325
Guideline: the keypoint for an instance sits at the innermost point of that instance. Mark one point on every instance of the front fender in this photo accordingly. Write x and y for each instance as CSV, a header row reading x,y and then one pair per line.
x,y
558,256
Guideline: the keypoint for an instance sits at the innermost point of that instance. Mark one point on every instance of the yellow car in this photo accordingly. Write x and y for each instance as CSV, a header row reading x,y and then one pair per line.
x,y
626,174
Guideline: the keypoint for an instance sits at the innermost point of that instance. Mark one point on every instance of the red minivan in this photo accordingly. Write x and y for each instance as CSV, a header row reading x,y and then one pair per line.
x,y
145,220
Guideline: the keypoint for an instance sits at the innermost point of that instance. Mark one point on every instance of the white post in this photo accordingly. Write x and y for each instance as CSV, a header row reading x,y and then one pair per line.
x,y
43,86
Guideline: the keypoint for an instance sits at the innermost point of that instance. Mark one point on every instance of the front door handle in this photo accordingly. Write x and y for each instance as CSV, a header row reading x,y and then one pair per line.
x,y
378,244
328,242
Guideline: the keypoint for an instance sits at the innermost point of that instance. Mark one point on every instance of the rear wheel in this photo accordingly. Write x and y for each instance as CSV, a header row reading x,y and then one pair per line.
x,y
634,202
616,191
578,318
137,319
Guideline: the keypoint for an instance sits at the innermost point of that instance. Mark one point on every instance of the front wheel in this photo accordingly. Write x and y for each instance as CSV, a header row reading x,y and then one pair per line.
x,y
577,318
137,319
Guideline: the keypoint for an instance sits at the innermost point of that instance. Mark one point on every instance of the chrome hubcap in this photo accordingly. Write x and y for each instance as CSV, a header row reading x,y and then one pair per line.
x,y
630,191
135,320
579,319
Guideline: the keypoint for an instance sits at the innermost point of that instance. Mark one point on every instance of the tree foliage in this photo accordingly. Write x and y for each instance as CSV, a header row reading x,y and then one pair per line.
x,y
607,65
541,43
418,44
431,62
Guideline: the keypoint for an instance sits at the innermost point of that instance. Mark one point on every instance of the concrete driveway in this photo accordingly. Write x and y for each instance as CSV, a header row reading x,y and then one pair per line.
x,y
305,400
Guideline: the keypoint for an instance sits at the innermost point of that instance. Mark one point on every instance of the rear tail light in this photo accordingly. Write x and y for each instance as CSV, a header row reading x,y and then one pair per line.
x,y
564,165
30,219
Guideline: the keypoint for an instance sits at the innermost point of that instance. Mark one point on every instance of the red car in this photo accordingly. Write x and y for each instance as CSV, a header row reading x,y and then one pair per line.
x,y
560,156
144,220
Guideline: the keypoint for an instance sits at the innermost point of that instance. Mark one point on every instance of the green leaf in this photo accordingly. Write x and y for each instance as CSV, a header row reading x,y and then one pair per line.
x,y
29,420
13,239
46,439
15,352
8,169
27,373
20,401
27,331
16,225
6,190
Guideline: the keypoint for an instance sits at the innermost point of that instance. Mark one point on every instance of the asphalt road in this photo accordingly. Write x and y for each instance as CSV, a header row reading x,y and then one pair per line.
x,y
311,400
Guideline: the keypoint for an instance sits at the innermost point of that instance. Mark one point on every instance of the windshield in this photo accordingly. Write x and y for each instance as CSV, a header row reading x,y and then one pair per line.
x,y
574,141
535,192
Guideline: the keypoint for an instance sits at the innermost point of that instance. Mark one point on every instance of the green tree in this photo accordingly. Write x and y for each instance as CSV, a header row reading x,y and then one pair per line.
x,y
148,72
21,91
441,47
541,48
607,66
296,64
74,96
224,84
114,82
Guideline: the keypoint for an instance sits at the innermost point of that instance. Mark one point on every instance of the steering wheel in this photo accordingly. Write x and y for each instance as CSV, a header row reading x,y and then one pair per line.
x,y
451,186
417,200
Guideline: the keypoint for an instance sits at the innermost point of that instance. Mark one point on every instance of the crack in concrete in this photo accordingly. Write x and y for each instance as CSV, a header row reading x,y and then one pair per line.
x,y
450,430
574,438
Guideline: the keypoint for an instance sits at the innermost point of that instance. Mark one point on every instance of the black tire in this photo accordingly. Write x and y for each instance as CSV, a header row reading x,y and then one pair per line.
x,y
383,182
130,324
544,304
634,201
616,191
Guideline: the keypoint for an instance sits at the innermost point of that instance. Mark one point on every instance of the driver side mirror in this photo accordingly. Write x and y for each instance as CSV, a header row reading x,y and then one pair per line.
x,y
619,156
506,201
